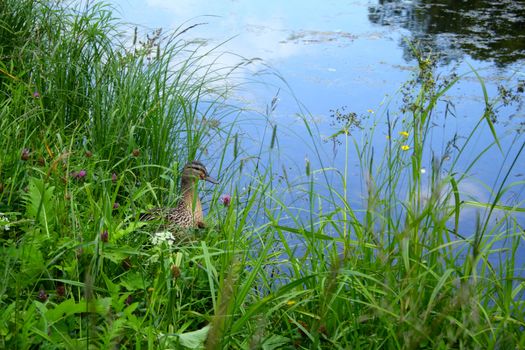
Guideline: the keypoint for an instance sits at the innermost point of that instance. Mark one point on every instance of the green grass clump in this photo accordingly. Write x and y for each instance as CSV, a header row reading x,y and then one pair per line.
x,y
93,132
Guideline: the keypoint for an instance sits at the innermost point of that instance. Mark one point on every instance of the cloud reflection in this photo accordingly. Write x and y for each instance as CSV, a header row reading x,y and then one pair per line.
x,y
255,31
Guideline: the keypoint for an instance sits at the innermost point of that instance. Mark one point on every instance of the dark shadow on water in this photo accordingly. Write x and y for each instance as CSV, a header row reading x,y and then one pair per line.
x,y
484,30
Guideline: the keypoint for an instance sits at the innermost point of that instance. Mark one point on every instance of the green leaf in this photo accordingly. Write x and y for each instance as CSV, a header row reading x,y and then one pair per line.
x,y
457,203
39,201
495,206
275,342
192,340
133,281
488,108
65,309
70,307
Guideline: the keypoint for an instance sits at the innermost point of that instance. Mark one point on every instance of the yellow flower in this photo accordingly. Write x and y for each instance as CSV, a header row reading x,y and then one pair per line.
x,y
404,134
371,111
290,302
405,147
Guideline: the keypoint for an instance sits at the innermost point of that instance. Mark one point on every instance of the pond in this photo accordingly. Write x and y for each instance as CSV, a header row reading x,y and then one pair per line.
x,y
353,56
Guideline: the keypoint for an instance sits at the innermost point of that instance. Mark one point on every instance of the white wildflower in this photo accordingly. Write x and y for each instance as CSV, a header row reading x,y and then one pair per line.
x,y
162,237
4,222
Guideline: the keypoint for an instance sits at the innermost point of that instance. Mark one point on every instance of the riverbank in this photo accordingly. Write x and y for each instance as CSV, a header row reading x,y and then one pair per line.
x,y
94,131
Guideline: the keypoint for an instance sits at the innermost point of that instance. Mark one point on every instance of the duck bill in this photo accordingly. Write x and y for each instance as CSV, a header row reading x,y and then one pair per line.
x,y
212,180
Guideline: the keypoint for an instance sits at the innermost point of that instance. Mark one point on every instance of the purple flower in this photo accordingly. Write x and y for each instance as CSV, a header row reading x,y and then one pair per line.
x,y
79,175
114,177
104,236
128,300
116,205
226,200
42,295
25,154
61,290
36,94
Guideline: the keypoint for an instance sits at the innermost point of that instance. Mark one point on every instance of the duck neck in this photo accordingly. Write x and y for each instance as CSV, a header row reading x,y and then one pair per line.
x,y
189,194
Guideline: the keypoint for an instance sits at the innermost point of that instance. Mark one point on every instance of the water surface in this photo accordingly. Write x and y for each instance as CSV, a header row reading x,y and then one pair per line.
x,y
354,56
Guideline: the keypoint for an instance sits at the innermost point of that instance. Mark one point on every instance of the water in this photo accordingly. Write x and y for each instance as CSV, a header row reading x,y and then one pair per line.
x,y
355,54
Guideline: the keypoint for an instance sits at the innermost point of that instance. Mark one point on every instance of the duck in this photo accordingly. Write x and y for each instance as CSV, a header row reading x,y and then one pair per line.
x,y
187,213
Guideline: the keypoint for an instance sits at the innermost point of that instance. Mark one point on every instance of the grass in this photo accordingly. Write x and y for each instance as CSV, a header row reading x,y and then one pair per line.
x,y
93,132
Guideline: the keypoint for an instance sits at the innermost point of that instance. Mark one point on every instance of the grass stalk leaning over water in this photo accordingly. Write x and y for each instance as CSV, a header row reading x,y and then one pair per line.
x,y
416,278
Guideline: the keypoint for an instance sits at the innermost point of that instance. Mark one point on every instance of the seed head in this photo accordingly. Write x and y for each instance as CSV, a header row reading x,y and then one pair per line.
x,y
25,154
175,271
104,236
42,295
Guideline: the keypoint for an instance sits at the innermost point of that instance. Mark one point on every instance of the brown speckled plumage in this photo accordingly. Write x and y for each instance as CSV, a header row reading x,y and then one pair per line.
x,y
188,212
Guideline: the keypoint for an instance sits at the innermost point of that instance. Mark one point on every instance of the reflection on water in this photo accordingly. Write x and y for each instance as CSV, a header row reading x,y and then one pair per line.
x,y
485,30
318,37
